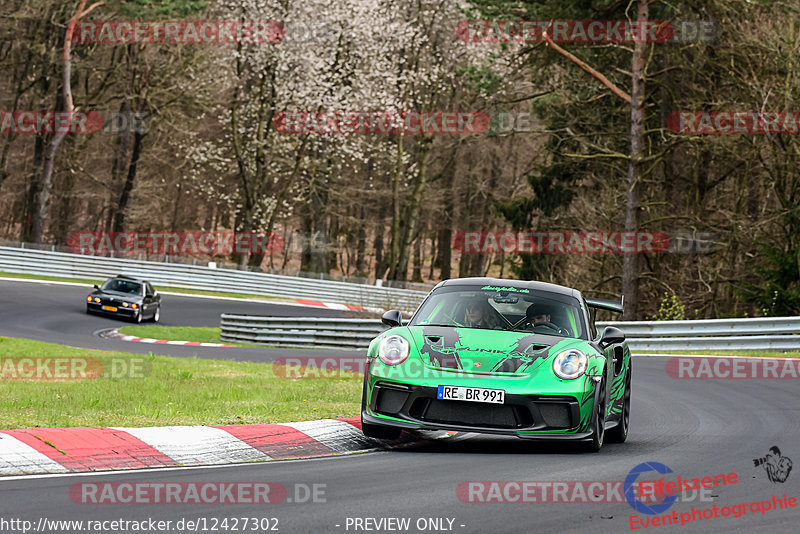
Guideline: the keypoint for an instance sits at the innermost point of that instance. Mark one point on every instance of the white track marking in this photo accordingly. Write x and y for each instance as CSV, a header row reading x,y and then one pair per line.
x,y
17,458
338,435
197,445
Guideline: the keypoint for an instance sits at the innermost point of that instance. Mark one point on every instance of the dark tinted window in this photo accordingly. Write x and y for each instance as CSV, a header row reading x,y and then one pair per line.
x,y
503,308
120,285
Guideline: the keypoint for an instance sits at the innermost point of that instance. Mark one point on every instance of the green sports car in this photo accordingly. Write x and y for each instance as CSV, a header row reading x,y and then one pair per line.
x,y
502,357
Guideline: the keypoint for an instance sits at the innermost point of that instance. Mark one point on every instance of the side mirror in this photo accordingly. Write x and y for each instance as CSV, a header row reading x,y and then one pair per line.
x,y
97,287
611,335
392,318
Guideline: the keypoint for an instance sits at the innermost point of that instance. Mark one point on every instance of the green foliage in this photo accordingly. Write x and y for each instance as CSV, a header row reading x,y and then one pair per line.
x,y
481,80
157,9
671,309
552,190
777,294
183,374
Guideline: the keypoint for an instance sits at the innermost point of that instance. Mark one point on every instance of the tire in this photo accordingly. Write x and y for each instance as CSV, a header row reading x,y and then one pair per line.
x,y
380,431
599,420
138,317
619,433
157,314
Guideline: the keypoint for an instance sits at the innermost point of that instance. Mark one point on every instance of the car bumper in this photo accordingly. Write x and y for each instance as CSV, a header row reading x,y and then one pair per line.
x,y
120,312
528,416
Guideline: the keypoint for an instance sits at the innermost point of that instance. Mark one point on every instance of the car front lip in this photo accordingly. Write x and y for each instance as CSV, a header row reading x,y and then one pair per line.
x,y
543,436
98,307
527,410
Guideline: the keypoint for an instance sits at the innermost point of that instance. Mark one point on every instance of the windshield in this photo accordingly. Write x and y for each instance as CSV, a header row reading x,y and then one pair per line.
x,y
117,285
502,308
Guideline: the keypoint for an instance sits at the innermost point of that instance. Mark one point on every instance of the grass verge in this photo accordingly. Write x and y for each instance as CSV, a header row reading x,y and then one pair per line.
x,y
172,391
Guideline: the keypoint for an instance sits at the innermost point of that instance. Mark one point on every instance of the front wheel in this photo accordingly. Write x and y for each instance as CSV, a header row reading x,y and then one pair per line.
x,y
380,431
619,433
599,427
138,317
157,314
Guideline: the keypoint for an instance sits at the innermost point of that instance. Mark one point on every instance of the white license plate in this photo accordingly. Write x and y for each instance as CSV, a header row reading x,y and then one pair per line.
x,y
461,393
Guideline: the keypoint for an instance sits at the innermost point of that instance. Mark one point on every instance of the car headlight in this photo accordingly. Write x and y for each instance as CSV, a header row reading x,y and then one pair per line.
x,y
570,364
124,304
393,350
97,299
134,306
89,298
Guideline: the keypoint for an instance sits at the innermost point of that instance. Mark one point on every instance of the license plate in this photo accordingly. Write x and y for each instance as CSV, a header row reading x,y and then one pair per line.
x,y
109,308
461,393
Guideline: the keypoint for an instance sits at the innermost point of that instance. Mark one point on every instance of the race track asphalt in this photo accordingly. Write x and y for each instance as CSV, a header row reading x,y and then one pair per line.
x,y
57,314
695,427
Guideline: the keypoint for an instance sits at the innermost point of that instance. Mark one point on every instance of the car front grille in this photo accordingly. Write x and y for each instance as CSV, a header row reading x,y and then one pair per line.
x,y
556,414
391,401
471,413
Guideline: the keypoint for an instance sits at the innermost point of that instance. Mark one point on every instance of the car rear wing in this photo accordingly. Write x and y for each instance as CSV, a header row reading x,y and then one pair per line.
x,y
603,304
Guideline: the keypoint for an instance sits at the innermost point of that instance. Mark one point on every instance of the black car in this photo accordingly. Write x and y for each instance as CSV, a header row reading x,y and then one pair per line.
x,y
125,296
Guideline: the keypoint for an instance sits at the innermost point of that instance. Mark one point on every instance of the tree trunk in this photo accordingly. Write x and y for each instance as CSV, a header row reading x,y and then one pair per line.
x,y
445,247
380,266
33,189
361,244
630,261
397,222
122,205
411,213
417,261
122,152
42,200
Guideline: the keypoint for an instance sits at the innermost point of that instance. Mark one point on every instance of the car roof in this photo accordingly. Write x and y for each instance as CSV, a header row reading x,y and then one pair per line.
x,y
131,278
532,285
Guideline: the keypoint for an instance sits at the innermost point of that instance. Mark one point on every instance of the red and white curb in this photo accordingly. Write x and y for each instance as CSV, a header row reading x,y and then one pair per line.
x,y
334,305
81,449
114,334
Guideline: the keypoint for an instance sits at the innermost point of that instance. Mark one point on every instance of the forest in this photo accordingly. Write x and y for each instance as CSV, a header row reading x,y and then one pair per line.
x,y
654,154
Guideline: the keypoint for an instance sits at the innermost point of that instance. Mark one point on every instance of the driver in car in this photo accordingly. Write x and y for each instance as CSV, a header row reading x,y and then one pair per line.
x,y
478,314
538,315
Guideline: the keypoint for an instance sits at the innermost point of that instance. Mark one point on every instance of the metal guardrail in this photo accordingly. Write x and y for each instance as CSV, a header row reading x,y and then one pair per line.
x,y
709,327
222,263
300,331
771,333
49,263
759,333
